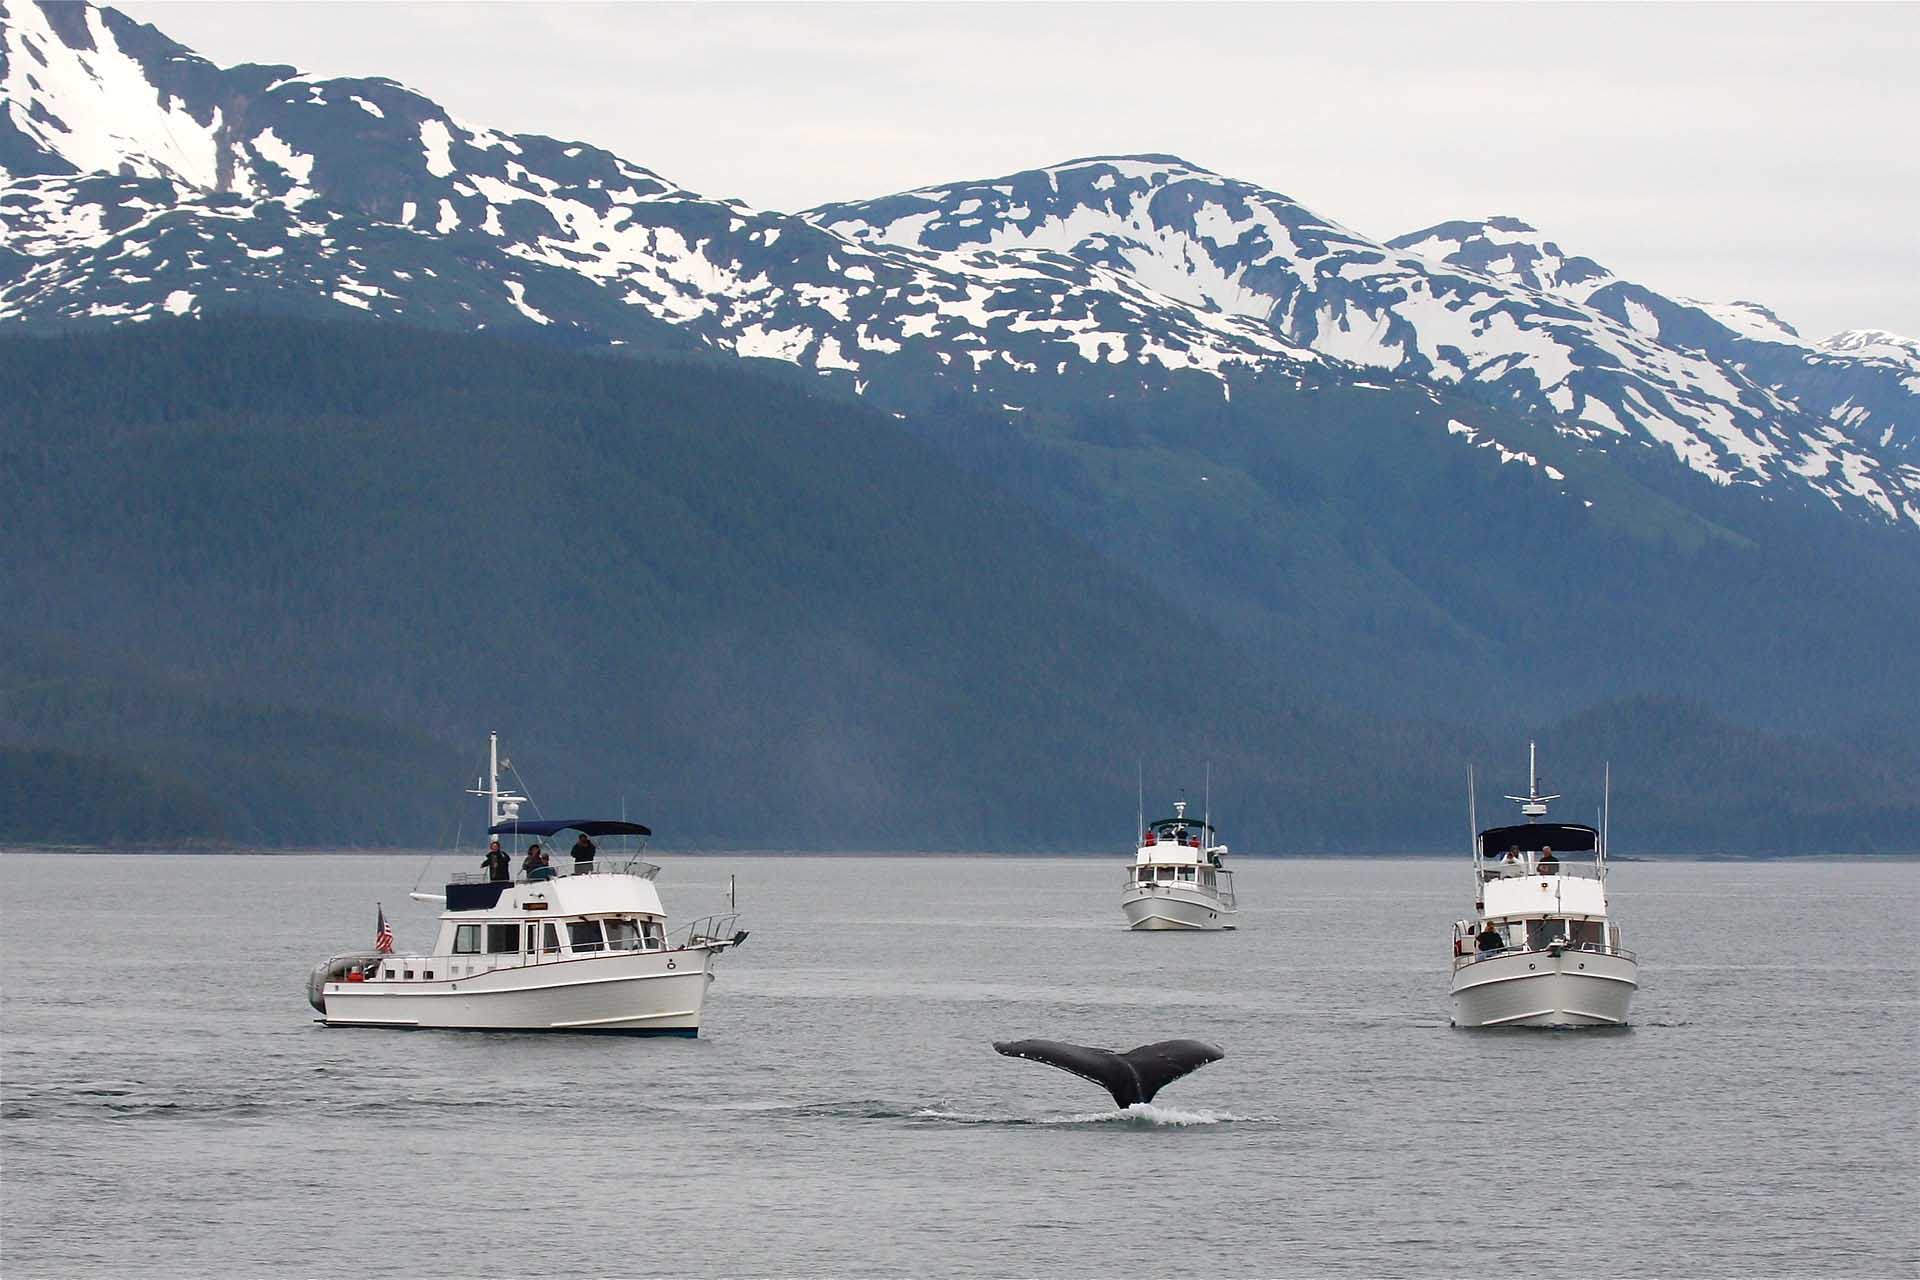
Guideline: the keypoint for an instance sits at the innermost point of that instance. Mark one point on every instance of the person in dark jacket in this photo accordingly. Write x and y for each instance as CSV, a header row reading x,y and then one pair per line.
x,y
1489,939
536,865
584,851
499,866
1549,865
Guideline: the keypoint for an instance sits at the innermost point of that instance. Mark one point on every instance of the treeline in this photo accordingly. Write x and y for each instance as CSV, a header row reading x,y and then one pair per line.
x,y
276,580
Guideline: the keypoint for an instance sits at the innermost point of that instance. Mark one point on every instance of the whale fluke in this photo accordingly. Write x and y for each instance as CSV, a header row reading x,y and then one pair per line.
x,y
1133,1076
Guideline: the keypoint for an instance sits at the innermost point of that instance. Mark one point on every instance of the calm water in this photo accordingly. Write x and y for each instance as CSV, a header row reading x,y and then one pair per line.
x,y
170,1108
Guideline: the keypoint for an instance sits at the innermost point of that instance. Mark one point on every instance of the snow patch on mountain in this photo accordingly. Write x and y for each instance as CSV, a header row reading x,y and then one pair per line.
x,y
1507,249
1749,319
1874,344
93,106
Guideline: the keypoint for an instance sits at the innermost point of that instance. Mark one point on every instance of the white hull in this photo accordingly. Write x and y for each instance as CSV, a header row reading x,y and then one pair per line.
x,y
1165,906
638,992
1539,989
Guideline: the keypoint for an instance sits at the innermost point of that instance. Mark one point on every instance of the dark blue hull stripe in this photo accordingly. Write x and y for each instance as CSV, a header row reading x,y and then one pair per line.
x,y
684,1032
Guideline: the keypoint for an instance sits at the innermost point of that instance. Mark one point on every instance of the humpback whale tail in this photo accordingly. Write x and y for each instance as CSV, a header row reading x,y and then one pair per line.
x,y
1133,1076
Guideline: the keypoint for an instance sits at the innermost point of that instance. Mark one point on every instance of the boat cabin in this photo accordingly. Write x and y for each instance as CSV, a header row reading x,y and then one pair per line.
x,y
1542,885
560,912
1181,851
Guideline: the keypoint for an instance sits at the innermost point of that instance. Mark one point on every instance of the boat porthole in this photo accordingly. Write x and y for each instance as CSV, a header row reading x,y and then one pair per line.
x,y
1583,965
672,965
1529,966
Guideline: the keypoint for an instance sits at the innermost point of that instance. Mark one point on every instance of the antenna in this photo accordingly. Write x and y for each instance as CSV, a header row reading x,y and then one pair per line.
x,y
1533,804
1606,809
1473,818
502,806
1139,799
1206,804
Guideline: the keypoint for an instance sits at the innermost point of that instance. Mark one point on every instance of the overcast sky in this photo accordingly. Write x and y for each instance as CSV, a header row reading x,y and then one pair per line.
x,y
1766,152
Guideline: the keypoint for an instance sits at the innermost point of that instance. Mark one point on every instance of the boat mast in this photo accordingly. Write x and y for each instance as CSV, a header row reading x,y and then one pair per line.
x,y
502,806
1533,804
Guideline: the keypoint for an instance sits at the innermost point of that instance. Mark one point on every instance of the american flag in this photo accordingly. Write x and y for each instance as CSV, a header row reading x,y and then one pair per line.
x,y
383,936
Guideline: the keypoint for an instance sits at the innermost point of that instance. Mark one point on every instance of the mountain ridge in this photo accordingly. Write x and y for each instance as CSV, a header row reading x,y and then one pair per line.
x,y
308,195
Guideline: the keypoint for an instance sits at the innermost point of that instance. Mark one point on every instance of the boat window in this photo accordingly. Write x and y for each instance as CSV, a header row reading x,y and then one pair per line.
x,y
584,935
550,936
1541,933
1146,874
656,935
623,935
1164,873
503,939
1186,873
466,939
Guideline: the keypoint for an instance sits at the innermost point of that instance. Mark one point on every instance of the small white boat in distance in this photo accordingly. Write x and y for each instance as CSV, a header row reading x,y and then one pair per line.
x,y
1177,880
583,951
1541,950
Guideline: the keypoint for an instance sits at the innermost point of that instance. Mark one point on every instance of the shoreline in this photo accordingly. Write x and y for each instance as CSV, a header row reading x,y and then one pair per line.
x,y
300,851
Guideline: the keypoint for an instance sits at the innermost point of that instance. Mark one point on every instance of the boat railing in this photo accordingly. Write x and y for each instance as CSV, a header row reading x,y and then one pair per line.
x,y
1584,948
1495,867
600,867
705,931
1221,888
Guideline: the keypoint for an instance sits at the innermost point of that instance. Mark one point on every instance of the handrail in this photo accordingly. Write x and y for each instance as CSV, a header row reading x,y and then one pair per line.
x,y
706,931
599,867
1584,868
1585,948
1220,876
524,959
1221,890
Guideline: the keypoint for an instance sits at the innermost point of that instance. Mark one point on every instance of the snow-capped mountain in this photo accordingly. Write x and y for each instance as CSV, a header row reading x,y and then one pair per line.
x,y
1503,315
1861,381
142,179
138,179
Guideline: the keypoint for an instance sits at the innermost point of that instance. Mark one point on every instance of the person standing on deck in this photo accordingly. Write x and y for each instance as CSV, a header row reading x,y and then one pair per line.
x,y
499,866
584,851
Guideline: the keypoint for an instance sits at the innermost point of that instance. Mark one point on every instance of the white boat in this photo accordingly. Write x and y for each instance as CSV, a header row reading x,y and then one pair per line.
x,y
1178,879
1541,950
581,948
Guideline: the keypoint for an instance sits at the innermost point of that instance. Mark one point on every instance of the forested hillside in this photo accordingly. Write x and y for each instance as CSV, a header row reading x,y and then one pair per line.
x,y
274,581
